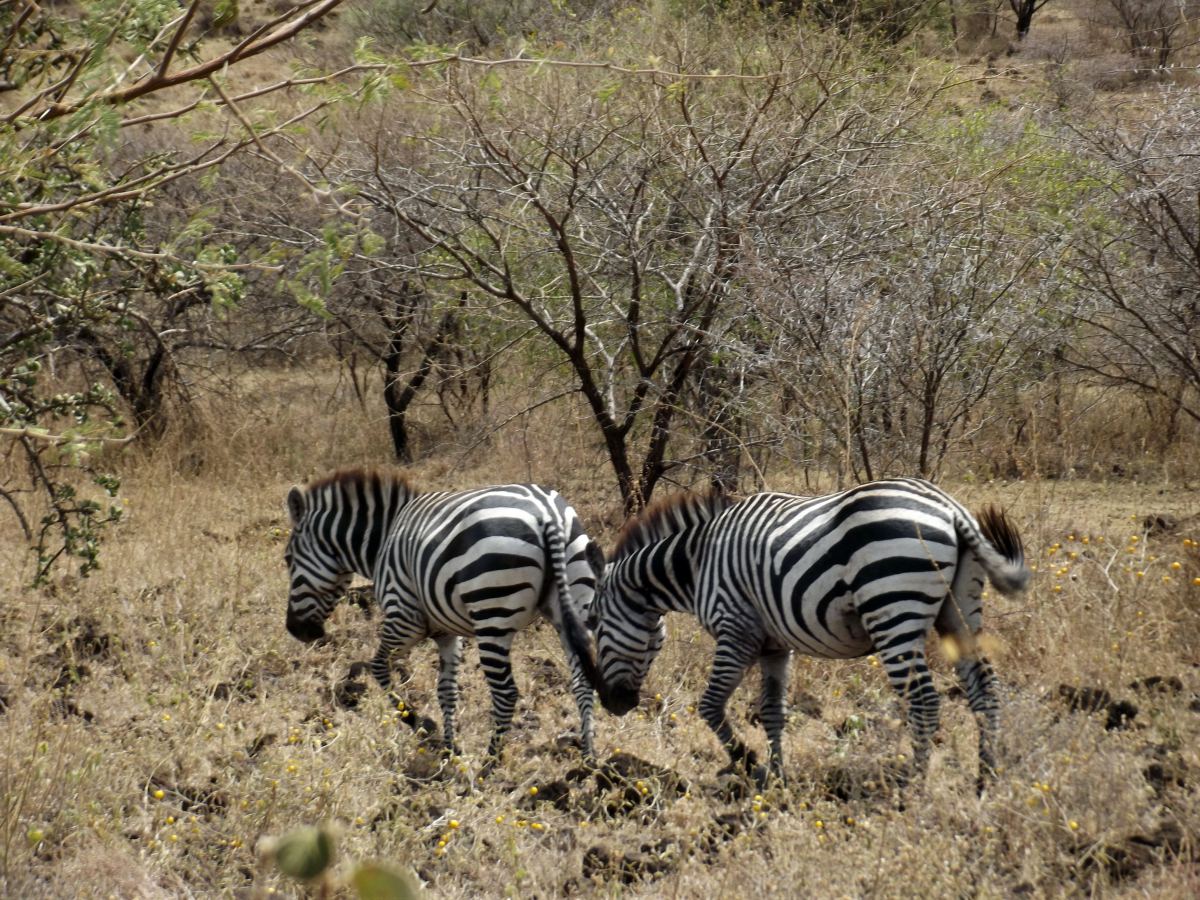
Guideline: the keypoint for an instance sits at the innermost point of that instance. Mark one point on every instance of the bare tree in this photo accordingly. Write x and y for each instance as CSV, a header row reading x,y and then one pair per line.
x,y
611,215
1136,259
1150,26
1025,10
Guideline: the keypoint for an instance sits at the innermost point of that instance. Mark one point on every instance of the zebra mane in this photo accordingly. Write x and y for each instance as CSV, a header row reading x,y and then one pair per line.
x,y
369,478
667,517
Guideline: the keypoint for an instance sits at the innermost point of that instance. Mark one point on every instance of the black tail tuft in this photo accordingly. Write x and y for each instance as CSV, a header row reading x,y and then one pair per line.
x,y
1002,534
581,644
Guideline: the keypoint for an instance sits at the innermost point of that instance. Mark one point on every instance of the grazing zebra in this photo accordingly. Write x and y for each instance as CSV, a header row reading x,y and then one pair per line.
x,y
867,570
445,566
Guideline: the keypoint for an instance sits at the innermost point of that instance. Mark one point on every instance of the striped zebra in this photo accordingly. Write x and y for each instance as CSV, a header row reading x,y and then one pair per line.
x,y
867,570
483,563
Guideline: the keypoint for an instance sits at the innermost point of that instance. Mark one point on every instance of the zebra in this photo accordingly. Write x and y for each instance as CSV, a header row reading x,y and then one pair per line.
x,y
867,570
447,566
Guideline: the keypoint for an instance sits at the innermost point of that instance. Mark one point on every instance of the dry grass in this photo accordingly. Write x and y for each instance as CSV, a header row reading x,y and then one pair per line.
x,y
159,721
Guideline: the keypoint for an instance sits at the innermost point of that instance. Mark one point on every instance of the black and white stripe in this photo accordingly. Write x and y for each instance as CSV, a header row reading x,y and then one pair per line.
x,y
867,570
484,563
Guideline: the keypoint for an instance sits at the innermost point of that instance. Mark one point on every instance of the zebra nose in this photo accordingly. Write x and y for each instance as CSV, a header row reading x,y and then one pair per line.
x,y
306,631
619,699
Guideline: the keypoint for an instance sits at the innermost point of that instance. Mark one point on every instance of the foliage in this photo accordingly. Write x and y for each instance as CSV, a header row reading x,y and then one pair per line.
x,y
97,300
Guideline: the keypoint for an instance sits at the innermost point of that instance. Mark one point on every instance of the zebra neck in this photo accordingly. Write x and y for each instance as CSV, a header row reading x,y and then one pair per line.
x,y
668,576
366,526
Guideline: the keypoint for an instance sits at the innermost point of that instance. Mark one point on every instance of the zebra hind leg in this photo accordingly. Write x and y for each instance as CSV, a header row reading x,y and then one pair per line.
x,y
584,694
495,657
979,682
773,704
449,657
910,677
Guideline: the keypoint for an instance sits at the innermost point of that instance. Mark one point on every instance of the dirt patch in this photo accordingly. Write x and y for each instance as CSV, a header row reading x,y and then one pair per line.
x,y
1118,713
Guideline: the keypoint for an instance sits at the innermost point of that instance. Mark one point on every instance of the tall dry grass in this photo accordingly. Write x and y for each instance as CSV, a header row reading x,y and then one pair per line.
x,y
158,720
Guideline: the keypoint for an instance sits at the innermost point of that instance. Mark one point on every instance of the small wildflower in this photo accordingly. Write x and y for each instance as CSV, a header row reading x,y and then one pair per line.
x,y
537,826
454,823
173,838
818,824
170,820
533,791
1140,574
1176,565
499,820
220,726
1196,582
159,794
1073,825
166,717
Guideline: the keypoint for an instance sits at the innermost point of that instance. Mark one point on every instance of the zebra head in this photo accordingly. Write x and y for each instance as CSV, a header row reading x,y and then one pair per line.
x,y
629,635
318,574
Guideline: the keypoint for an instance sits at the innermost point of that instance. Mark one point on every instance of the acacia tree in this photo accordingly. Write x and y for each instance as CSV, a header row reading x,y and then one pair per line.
x,y
1136,260
892,333
608,210
79,269
1151,26
1024,10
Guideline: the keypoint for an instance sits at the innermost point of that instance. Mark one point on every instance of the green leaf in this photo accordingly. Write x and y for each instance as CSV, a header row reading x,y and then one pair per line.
x,y
374,882
304,852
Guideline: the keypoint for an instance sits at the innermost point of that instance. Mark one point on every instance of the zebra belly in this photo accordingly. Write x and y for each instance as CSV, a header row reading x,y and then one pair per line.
x,y
830,627
503,608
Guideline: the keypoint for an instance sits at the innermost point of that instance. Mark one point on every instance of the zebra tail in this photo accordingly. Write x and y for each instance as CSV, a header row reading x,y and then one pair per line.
x,y
573,632
998,545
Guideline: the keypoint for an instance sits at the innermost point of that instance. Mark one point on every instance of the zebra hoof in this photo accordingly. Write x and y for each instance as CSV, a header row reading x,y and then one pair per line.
x,y
423,726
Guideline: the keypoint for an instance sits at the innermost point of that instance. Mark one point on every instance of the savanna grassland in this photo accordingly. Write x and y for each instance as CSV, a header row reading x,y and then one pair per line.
x,y
621,249
159,721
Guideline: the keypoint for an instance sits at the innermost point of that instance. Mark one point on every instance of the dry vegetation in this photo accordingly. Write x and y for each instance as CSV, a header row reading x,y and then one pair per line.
x,y
158,721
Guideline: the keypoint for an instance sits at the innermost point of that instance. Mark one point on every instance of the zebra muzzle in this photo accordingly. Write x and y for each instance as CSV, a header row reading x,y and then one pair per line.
x,y
305,630
619,699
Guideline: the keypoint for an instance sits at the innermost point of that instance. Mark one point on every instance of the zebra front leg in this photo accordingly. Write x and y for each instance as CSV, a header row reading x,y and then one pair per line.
x,y
495,657
773,704
979,683
729,667
397,635
449,657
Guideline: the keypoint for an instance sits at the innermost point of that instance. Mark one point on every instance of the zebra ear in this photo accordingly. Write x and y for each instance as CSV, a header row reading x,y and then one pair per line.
x,y
295,505
595,559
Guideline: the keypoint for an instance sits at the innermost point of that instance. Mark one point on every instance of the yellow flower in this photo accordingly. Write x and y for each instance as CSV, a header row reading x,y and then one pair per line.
x,y
1073,825
159,794
533,791
1177,565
